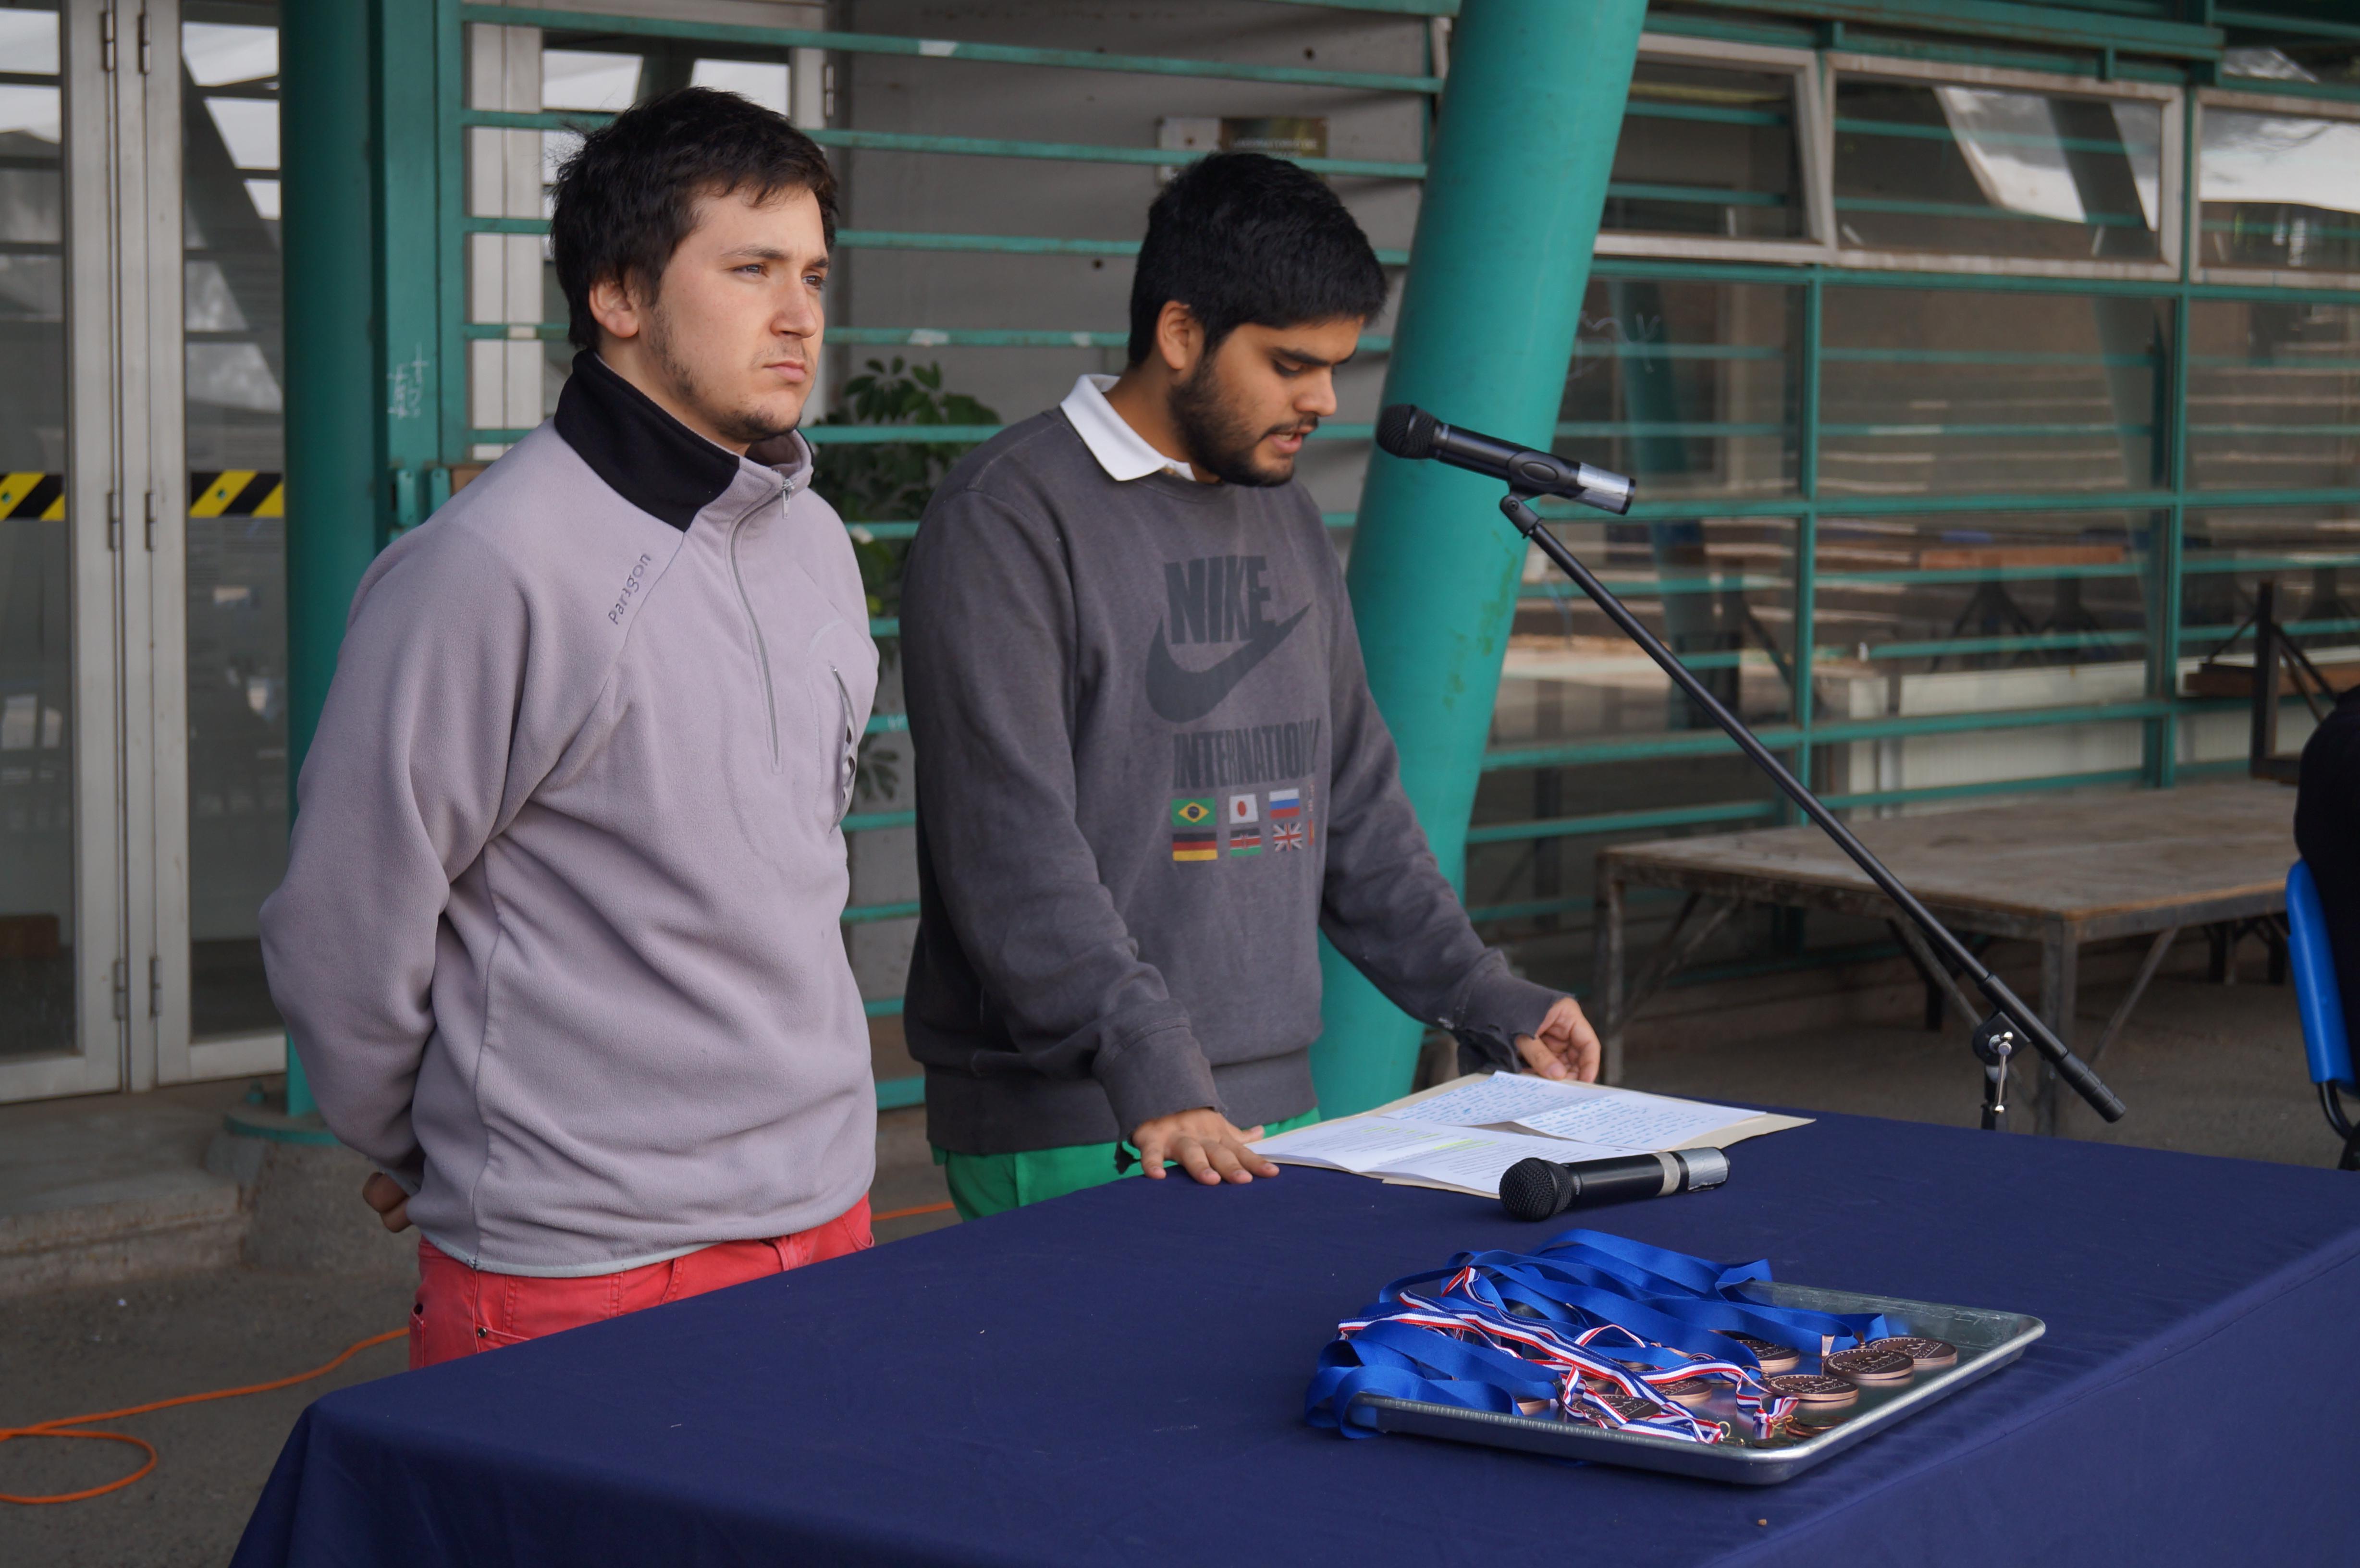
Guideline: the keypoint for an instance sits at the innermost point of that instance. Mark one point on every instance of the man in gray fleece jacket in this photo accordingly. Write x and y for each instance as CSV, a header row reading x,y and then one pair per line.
x,y
1149,768
557,944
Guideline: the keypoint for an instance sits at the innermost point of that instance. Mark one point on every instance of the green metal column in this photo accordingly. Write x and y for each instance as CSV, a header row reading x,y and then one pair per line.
x,y
333,372
1489,312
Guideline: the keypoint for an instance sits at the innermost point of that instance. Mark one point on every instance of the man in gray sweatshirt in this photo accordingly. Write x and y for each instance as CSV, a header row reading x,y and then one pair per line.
x,y
559,943
1150,772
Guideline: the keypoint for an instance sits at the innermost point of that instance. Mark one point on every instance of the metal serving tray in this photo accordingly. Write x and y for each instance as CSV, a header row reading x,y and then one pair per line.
x,y
1986,1341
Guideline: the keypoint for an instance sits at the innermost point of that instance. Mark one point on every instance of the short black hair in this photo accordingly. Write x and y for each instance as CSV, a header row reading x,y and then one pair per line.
x,y
627,197
1238,238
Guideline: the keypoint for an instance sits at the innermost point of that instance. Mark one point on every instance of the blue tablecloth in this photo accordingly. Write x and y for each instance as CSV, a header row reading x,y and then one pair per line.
x,y
1118,1376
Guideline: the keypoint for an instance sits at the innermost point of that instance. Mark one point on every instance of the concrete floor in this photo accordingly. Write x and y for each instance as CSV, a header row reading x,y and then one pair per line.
x,y
2208,1069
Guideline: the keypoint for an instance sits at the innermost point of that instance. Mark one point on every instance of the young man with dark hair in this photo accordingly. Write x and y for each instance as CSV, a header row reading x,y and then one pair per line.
x,y
1150,771
557,944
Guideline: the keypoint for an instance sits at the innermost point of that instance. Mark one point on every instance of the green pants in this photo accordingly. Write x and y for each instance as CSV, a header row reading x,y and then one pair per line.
x,y
992,1183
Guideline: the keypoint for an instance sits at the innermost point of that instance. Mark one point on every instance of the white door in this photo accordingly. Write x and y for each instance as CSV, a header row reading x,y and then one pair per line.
x,y
66,980
218,436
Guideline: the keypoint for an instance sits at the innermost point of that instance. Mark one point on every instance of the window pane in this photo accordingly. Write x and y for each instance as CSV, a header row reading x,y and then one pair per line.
x,y
1719,591
1964,614
2280,191
1717,791
1933,391
37,708
1977,172
2312,555
1689,388
1707,152
2273,394
236,525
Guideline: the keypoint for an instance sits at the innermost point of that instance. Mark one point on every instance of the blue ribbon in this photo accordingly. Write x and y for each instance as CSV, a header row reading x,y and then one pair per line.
x,y
1582,1279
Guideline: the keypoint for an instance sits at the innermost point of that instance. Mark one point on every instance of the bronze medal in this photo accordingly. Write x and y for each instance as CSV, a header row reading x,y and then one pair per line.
x,y
1926,1353
1870,1366
1814,1391
1770,1357
1631,1410
1689,1392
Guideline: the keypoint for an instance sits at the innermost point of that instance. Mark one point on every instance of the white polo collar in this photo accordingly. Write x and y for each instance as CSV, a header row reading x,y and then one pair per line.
x,y
1122,452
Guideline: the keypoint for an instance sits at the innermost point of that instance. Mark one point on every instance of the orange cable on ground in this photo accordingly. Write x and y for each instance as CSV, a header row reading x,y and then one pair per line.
x,y
55,1428
910,1213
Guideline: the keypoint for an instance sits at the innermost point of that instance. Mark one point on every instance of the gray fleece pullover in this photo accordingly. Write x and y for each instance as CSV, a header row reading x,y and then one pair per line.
x,y
558,940
1150,774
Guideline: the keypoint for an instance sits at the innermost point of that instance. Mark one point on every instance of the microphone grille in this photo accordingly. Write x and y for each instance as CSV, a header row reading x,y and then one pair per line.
x,y
1405,429
1529,1189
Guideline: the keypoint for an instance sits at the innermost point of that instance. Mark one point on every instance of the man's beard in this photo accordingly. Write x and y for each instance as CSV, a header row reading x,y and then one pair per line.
x,y
1220,439
748,425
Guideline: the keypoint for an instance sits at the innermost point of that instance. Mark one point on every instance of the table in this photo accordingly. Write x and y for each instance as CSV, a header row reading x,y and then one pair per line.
x,y
2063,871
1116,1377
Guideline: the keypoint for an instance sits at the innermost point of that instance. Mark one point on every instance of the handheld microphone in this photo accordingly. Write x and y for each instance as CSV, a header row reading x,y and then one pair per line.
x,y
1542,1189
1407,431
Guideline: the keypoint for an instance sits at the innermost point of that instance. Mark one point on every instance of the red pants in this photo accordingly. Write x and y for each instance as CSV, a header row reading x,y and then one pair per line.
x,y
462,1311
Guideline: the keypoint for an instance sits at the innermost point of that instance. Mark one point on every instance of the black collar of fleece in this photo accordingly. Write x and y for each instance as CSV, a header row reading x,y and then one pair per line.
x,y
645,455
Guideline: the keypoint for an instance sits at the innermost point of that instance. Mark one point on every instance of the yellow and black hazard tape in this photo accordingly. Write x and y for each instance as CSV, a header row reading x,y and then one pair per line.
x,y
33,496
237,493
223,493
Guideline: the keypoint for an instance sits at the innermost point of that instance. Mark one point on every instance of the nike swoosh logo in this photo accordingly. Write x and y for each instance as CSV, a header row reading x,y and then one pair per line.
x,y
1182,695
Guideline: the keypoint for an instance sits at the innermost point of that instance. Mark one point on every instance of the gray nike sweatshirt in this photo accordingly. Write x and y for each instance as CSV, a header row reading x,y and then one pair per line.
x,y
559,940
1150,774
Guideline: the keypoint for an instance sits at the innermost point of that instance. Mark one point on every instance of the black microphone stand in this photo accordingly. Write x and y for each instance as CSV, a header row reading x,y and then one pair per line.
x,y
2011,1023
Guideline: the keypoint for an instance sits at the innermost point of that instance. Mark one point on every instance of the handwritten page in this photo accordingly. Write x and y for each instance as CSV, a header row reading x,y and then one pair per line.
x,y
1474,1162
1620,1119
1465,1159
1495,1101
1358,1144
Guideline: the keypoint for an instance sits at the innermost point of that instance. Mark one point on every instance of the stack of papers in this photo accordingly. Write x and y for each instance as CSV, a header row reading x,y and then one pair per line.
x,y
1462,1137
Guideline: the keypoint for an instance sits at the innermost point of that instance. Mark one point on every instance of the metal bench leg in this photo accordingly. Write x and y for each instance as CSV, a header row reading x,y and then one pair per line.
x,y
2061,986
1679,945
1607,978
2155,956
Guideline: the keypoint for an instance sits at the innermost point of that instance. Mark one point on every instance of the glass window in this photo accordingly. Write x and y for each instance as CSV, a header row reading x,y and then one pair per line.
x,y
2311,557
236,524
1539,892
1688,388
2273,394
36,685
1966,612
1981,171
1933,391
2279,191
1707,152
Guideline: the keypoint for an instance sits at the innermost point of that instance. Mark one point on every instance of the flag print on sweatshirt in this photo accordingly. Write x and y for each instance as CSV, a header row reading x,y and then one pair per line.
x,y
1245,824
1193,838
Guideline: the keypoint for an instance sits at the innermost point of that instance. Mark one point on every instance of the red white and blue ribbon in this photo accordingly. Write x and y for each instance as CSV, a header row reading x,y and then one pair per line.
x,y
1585,1320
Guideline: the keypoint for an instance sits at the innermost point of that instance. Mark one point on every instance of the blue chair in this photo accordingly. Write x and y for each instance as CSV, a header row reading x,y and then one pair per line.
x,y
2323,1038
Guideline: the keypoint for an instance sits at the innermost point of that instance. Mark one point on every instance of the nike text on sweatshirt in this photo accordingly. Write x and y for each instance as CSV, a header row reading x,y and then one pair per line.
x,y
1150,774
558,940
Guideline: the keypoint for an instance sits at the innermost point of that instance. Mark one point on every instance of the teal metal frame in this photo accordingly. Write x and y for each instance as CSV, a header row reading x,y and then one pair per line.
x,y
1434,568
417,226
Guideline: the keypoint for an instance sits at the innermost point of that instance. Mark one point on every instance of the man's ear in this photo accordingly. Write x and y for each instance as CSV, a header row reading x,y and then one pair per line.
x,y
1179,337
616,308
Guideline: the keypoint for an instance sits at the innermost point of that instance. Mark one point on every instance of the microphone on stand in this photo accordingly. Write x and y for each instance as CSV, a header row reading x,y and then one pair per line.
x,y
1409,431
1542,1189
